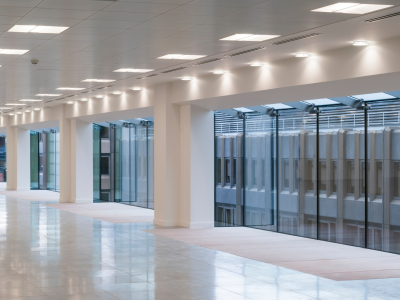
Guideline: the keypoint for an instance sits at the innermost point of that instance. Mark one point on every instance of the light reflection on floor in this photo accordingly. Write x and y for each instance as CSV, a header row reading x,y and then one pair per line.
x,y
46,253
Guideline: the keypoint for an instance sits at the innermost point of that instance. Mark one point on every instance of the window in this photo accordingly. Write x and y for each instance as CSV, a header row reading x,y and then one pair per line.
x,y
379,181
104,132
322,174
334,177
254,178
350,178
296,175
234,171
396,178
263,173
219,169
286,174
105,165
227,171
310,175
362,176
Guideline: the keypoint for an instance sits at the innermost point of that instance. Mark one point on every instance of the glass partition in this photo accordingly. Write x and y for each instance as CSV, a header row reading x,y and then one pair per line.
x,y
34,160
3,161
96,162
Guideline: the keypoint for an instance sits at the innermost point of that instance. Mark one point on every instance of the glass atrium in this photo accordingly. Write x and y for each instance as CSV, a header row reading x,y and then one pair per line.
x,y
309,169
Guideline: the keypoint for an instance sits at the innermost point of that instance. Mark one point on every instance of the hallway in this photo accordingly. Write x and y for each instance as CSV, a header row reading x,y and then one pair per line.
x,y
48,253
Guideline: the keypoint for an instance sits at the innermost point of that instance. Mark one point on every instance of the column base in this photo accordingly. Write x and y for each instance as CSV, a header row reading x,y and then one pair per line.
x,y
165,223
76,201
18,189
197,225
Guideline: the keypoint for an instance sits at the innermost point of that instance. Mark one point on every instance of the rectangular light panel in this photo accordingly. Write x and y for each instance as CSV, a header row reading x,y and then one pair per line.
x,y
70,89
249,37
351,8
13,51
30,100
15,104
48,95
181,56
98,80
374,97
38,29
134,70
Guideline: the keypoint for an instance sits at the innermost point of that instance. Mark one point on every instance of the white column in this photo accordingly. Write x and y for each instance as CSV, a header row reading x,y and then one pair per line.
x,y
166,158
18,159
76,161
184,163
197,167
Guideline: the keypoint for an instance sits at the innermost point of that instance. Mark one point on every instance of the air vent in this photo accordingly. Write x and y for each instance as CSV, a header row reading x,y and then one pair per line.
x,y
85,92
244,52
152,75
48,101
177,69
301,37
206,61
383,17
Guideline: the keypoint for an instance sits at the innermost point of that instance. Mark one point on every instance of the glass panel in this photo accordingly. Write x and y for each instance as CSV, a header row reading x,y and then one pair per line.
x,y
141,166
260,191
228,147
34,160
150,157
118,164
51,161
57,137
126,165
3,175
96,162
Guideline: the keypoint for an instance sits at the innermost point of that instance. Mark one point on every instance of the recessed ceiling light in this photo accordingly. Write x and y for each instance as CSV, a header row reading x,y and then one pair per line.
x,y
134,70
48,95
181,56
187,78
15,104
249,37
10,114
219,72
302,54
360,43
30,100
37,108
98,80
19,113
38,29
256,64
70,89
13,51
84,99
99,96
70,102
351,8
28,111
137,89
117,93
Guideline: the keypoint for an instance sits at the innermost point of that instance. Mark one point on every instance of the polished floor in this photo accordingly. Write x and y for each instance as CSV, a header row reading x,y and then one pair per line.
x,y
47,253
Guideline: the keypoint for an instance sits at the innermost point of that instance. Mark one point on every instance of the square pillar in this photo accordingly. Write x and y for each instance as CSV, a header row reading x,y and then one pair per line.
x,y
18,159
183,162
76,161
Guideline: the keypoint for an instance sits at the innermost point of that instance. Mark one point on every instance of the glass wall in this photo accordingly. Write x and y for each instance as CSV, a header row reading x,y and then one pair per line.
x,y
45,160
3,161
305,173
126,160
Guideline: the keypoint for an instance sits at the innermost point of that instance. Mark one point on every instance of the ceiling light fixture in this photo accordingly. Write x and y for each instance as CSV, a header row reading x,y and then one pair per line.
x,y
28,111
13,51
351,8
19,113
84,99
37,108
70,89
99,96
98,80
10,114
181,56
187,78
134,70
136,89
360,43
48,95
15,104
117,93
30,100
218,72
70,102
38,29
249,37
256,64
302,54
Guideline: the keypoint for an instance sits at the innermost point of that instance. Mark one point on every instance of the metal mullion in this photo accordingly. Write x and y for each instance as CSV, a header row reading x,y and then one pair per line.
x,y
366,172
277,169
318,175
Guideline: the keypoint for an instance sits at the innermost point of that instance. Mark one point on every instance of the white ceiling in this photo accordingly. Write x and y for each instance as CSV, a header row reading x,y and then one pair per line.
x,y
108,35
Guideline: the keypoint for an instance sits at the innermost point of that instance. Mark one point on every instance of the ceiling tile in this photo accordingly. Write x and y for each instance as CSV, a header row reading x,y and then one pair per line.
x,y
60,13
75,4
122,16
203,10
48,21
106,24
155,8
20,3
14,11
